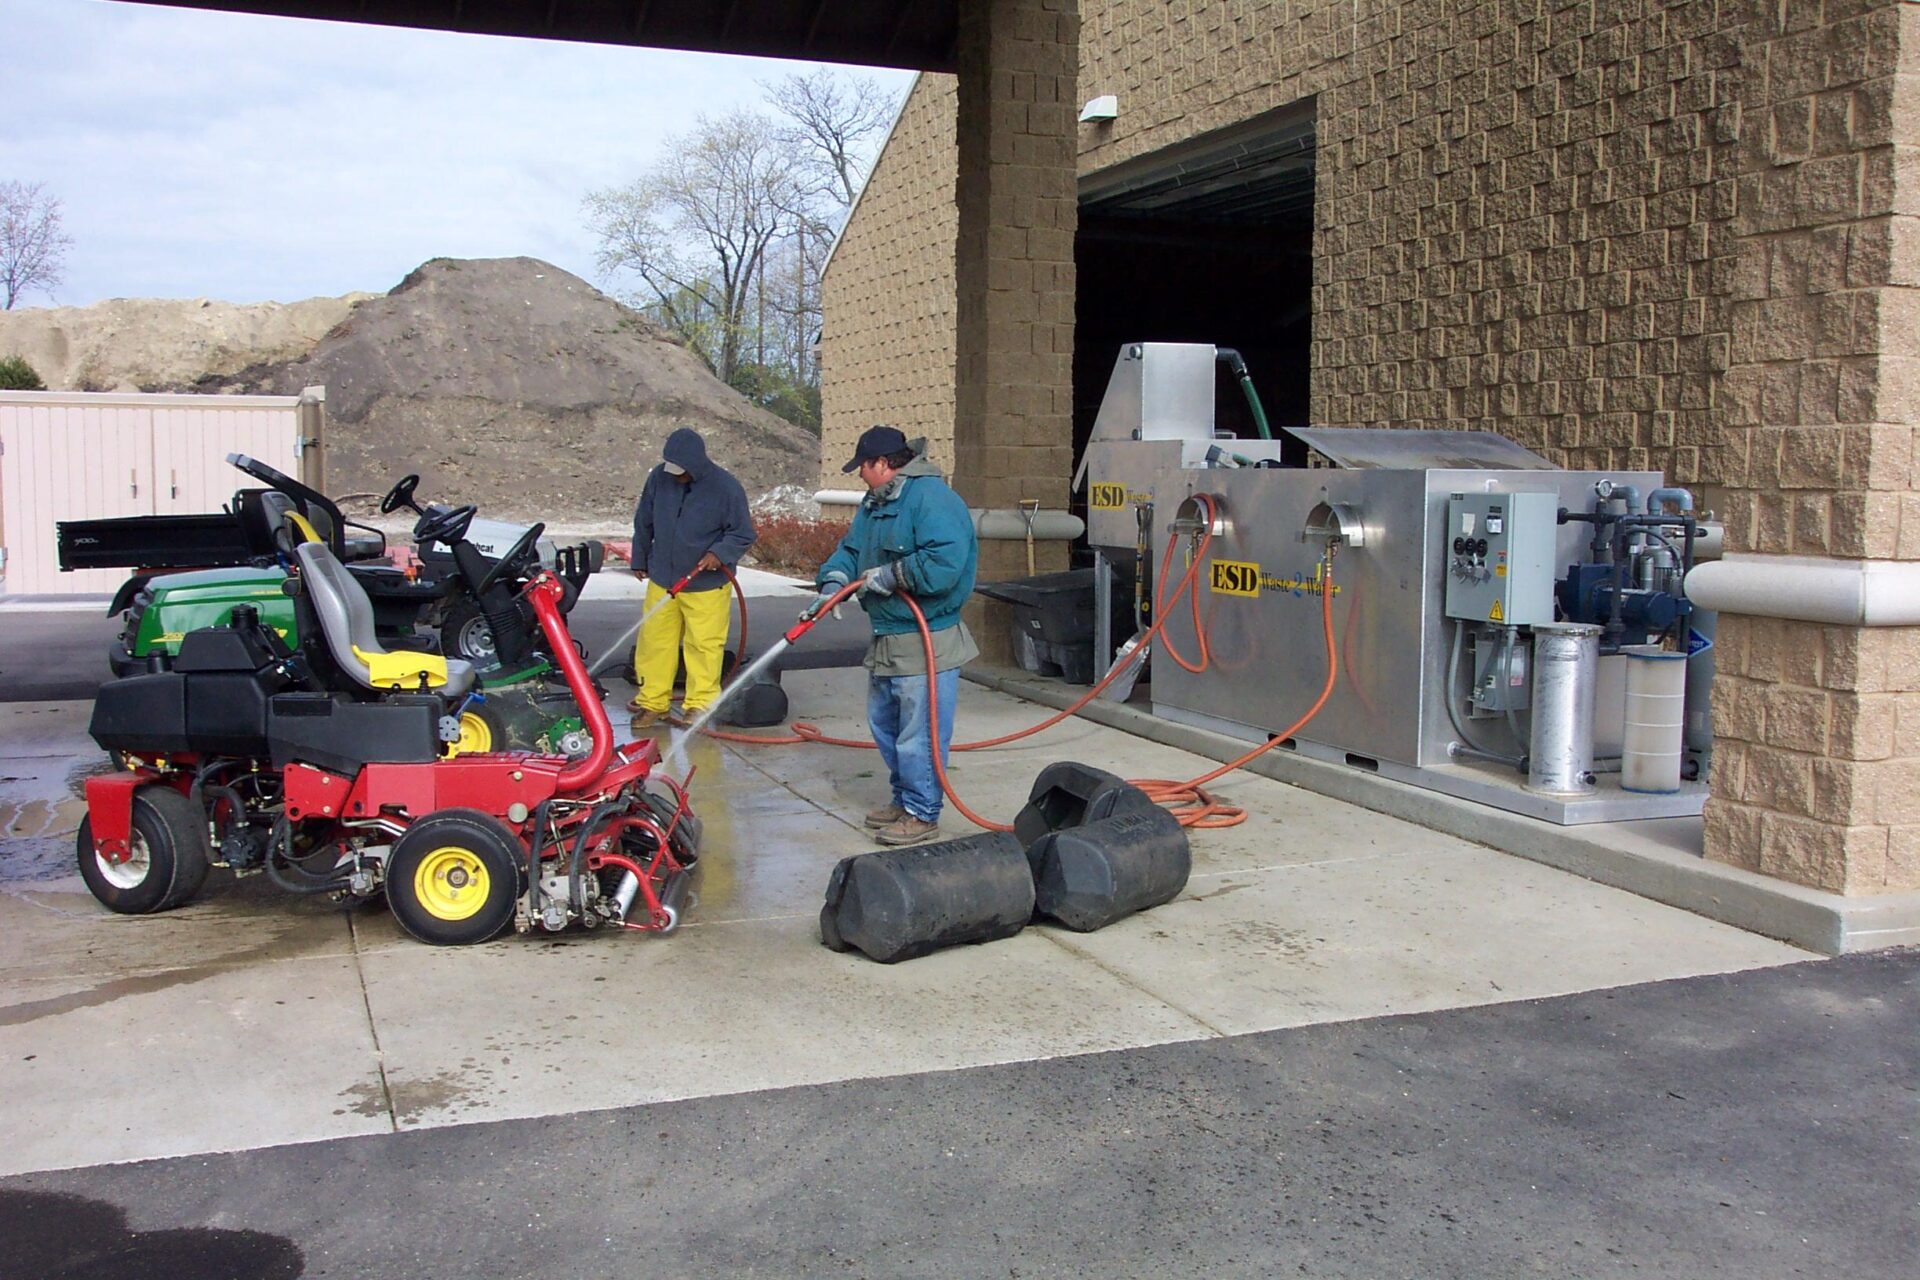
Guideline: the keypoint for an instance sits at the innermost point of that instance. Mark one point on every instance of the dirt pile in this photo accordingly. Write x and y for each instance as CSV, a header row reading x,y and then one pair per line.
x,y
504,382
163,344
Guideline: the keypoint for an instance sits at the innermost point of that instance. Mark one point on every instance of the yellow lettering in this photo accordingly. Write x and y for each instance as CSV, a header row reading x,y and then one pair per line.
x,y
1235,578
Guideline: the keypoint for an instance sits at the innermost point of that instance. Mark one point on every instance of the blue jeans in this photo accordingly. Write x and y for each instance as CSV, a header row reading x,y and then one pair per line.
x,y
897,713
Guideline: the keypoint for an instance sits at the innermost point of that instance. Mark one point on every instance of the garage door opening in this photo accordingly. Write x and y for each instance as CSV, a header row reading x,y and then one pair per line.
x,y
1209,241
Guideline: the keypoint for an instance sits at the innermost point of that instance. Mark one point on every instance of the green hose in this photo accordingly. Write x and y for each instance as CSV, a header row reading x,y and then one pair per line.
x,y
1232,359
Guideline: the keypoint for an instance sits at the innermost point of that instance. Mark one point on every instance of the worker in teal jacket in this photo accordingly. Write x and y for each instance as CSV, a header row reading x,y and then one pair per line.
x,y
913,533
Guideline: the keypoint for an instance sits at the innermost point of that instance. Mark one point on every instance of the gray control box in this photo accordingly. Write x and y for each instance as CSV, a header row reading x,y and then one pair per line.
x,y
1500,557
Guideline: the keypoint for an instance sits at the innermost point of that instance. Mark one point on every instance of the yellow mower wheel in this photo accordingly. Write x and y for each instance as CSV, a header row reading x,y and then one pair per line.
x,y
451,882
453,878
475,734
481,729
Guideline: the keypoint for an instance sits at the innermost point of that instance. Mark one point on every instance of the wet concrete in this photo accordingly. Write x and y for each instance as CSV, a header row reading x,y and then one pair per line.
x,y
278,1020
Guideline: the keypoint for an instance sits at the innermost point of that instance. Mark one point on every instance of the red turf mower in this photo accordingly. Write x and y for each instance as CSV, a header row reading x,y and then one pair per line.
x,y
240,756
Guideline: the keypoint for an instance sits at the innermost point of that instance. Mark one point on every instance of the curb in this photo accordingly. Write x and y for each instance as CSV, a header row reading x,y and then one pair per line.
x,y
1658,859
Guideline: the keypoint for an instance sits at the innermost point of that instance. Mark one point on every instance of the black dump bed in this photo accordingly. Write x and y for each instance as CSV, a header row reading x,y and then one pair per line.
x,y
155,542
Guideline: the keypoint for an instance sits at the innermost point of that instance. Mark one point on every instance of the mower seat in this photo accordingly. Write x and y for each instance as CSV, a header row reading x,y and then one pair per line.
x,y
346,621
291,527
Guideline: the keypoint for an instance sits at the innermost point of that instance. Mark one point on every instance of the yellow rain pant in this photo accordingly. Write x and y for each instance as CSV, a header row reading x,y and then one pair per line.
x,y
700,617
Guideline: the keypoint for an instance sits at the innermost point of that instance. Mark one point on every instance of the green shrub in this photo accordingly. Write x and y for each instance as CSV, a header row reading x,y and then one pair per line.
x,y
17,375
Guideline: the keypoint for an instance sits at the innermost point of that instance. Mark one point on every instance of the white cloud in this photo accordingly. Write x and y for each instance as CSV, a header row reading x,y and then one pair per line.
x,y
205,154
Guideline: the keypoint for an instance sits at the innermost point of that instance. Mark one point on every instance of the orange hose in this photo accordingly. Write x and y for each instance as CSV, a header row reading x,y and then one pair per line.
x,y
1162,610
1190,803
1189,800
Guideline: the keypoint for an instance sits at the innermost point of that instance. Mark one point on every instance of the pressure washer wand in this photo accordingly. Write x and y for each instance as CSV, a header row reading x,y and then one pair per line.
x,y
626,637
806,622
811,618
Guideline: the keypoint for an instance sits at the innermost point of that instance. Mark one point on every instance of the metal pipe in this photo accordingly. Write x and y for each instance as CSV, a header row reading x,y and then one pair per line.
x,y
1467,746
999,524
1847,593
1566,659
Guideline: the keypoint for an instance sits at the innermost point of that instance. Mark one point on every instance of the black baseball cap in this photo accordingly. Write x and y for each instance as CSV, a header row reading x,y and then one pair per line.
x,y
876,442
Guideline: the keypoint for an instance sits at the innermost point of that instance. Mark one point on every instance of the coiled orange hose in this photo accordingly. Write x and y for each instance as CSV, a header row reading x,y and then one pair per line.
x,y
1189,801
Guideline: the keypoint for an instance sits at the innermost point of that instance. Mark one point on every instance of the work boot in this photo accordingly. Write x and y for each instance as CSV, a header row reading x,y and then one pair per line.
x,y
680,719
885,816
645,720
908,830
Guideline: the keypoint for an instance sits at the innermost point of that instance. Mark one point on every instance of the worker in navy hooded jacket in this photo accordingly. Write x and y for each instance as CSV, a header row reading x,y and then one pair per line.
x,y
692,518
911,533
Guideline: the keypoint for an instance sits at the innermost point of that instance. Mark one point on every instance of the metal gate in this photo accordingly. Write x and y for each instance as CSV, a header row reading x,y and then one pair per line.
x,y
85,455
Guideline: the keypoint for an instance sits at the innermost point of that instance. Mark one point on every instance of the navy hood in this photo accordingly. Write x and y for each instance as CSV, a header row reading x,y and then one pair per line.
x,y
685,448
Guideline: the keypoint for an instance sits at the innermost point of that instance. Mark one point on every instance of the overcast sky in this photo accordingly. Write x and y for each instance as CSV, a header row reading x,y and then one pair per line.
x,y
251,159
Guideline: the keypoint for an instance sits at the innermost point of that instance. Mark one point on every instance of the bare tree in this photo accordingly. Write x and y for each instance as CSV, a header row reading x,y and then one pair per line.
x,y
697,227
830,118
33,248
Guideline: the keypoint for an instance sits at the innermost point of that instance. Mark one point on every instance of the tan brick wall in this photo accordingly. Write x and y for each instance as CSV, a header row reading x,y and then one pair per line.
x,y
1817,758
887,343
1816,438
1523,208
1817,729
1630,234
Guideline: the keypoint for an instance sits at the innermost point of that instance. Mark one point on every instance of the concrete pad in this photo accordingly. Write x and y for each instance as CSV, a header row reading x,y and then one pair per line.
x,y
1313,909
228,924
1656,859
723,1009
207,1057
1362,935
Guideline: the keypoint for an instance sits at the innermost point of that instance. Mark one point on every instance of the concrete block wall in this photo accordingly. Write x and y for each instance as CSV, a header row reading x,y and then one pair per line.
x,y
1631,234
1816,769
1817,728
1018,207
887,342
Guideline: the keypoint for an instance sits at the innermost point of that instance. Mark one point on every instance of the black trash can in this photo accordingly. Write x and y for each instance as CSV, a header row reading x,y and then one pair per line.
x,y
1053,622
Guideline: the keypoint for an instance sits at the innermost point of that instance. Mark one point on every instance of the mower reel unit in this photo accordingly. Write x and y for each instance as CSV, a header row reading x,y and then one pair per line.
x,y
238,757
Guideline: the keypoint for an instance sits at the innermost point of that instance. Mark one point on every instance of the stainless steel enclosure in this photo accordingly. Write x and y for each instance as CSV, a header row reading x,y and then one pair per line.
x,y
1385,495
1268,649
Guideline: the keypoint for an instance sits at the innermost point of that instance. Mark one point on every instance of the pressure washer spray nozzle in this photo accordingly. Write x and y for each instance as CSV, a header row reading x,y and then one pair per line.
x,y
810,616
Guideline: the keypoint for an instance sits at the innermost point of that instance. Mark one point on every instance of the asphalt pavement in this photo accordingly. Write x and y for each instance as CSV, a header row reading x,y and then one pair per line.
x,y
1753,1125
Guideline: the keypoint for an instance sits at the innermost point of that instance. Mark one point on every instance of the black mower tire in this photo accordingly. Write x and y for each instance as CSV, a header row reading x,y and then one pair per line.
x,y
467,635
434,865
173,831
685,839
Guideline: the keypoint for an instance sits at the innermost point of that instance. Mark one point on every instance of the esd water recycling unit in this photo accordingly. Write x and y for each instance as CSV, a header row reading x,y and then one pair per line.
x,y
1504,630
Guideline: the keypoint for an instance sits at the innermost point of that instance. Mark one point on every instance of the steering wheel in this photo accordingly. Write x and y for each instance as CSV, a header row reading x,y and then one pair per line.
x,y
510,562
447,526
401,495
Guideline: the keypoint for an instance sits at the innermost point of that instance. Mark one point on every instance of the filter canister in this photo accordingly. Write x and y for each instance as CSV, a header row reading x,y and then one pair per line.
x,y
1656,719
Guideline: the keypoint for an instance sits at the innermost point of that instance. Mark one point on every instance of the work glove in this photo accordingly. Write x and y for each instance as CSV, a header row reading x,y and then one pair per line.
x,y
880,580
828,589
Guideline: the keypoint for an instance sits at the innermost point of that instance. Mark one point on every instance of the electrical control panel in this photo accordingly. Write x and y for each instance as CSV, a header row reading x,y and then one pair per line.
x,y
1499,550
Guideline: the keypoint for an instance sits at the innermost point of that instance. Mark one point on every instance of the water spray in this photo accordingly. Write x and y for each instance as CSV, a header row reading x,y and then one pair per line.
x,y
807,621
626,637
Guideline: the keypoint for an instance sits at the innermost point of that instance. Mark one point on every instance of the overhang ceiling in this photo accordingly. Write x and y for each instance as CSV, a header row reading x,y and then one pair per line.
x,y
915,35
1256,173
